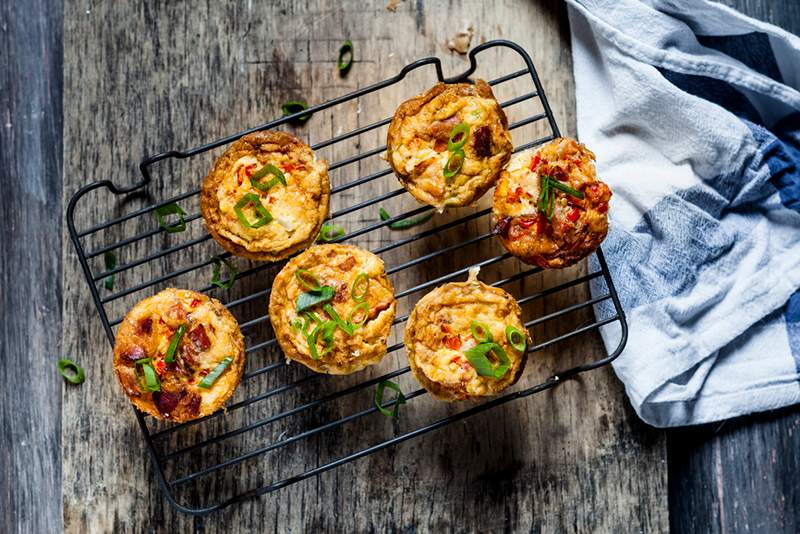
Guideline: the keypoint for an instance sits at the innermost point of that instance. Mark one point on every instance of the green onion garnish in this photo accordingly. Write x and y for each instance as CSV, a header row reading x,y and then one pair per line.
x,y
308,280
477,357
111,263
296,106
151,382
171,209
215,274
400,399
345,50
329,232
263,172
173,343
565,188
516,339
211,377
325,329
404,223
481,332
360,288
71,371
297,324
454,163
361,307
546,201
310,299
346,327
264,215
458,137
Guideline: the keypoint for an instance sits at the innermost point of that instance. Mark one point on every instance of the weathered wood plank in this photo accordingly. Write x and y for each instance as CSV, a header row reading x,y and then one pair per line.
x,y
30,266
142,78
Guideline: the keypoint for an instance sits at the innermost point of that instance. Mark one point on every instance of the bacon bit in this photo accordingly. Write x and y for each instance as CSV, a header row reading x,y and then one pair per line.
x,y
203,372
452,342
602,208
195,303
167,401
132,354
527,222
270,200
193,405
442,129
440,145
482,142
544,168
446,328
501,227
347,264
541,224
535,161
146,326
199,338
573,215
341,293
572,201
291,167
377,309
514,195
560,175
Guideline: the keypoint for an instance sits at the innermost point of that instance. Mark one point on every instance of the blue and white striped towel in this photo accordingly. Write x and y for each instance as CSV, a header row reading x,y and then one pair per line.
x,y
693,111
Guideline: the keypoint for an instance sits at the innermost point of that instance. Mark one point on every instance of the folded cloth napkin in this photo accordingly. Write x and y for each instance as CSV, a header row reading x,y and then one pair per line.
x,y
693,112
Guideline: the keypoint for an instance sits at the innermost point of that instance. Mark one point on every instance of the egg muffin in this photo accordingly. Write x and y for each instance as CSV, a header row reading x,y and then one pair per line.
x,y
466,340
179,355
549,207
266,197
448,145
332,309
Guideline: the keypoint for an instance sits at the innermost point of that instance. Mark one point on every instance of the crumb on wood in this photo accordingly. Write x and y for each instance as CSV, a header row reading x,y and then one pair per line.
x,y
392,5
460,42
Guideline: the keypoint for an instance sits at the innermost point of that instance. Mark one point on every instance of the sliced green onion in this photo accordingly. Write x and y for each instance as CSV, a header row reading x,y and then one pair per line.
x,y
326,330
298,323
458,137
171,209
308,299
308,280
143,361
362,307
71,371
454,163
516,339
173,343
296,106
263,172
264,215
329,232
400,399
151,382
405,223
481,332
211,377
565,188
345,50
551,205
477,357
314,317
111,263
357,293
544,193
346,327
215,274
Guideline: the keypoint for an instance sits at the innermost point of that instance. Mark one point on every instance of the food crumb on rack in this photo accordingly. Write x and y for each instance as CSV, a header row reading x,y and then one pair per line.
x,y
461,40
392,5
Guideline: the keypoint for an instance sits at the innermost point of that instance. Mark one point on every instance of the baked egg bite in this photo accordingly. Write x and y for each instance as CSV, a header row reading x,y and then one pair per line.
x,y
549,208
466,340
179,355
332,309
266,197
448,145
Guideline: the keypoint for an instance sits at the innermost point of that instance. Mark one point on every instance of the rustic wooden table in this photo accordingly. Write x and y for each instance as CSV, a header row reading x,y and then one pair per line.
x,y
139,78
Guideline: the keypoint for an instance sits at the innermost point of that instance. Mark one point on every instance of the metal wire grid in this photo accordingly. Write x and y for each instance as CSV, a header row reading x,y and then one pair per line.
x,y
160,459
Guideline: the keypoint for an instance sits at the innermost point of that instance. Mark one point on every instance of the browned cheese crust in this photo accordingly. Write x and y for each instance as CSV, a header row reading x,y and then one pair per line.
x,y
438,333
211,334
417,147
298,208
576,227
337,266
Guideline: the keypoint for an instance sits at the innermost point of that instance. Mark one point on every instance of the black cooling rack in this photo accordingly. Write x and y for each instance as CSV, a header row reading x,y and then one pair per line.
x,y
211,463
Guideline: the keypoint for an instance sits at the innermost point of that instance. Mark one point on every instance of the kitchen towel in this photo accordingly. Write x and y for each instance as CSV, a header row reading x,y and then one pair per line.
x,y
693,111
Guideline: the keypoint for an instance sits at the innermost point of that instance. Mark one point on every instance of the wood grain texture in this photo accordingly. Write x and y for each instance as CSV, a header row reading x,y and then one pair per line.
x,y
142,78
30,266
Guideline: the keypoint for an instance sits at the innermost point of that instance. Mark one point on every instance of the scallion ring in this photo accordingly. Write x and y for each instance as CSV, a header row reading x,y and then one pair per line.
x,y
298,323
481,332
212,377
458,137
308,280
326,329
516,339
454,164
263,172
362,308
264,215
71,371
169,357
357,293
330,232
171,209
400,399
215,274
296,106
345,50
477,357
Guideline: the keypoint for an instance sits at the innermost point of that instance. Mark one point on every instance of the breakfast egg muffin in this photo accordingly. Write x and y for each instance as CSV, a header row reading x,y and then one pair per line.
x,y
549,207
332,309
466,340
266,197
179,355
448,145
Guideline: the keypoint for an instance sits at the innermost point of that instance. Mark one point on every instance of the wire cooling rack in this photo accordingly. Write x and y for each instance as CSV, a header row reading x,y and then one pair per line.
x,y
250,449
